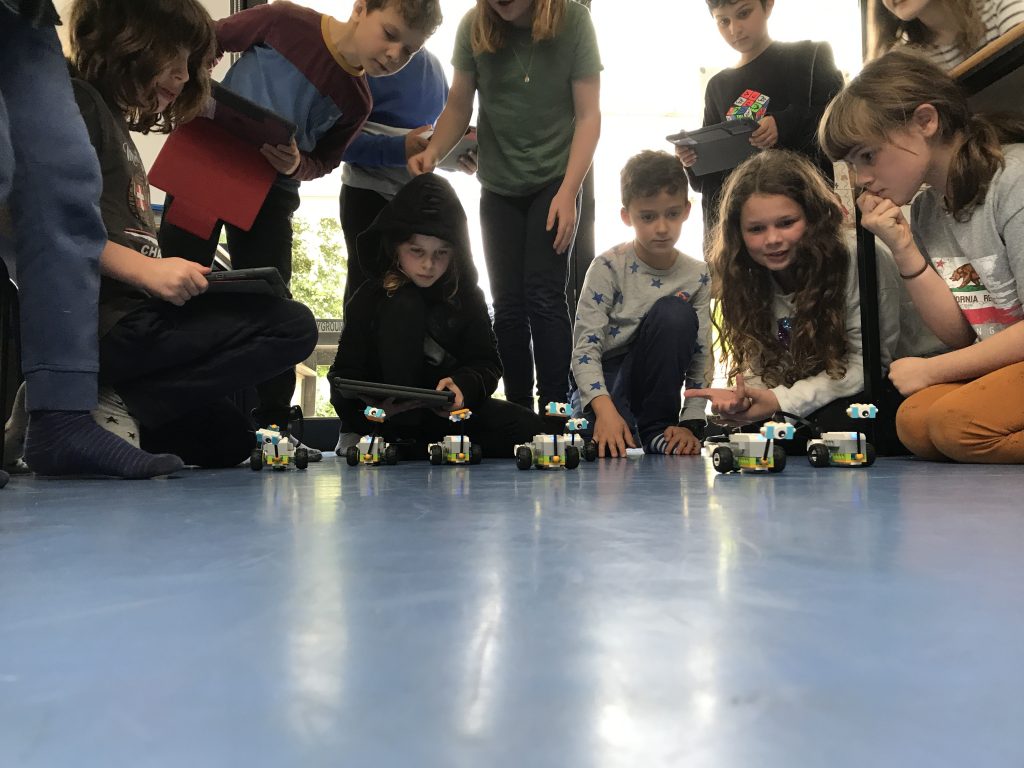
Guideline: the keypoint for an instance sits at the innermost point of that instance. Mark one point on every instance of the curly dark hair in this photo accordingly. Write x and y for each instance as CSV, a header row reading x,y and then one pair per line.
x,y
121,46
648,173
747,334
422,15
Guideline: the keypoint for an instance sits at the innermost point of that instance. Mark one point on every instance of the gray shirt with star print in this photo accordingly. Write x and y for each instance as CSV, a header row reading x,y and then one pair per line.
x,y
618,291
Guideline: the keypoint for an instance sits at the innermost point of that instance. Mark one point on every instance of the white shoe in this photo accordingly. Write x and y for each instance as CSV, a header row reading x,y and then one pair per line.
x,y
345,441
112,414
14,435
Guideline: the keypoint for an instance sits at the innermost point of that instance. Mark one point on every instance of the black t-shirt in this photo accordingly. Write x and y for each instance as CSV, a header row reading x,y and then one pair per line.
x,y
799,79
125,207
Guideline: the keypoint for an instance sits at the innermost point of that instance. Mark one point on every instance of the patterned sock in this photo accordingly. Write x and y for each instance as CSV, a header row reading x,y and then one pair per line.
x,y
112,414
656,443
71,443
4,477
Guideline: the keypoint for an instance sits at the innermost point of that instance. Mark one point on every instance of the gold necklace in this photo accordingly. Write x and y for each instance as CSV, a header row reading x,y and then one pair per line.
x,y
529,66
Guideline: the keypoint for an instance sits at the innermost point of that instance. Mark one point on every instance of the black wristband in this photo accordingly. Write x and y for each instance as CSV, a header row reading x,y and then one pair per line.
x,y
919,272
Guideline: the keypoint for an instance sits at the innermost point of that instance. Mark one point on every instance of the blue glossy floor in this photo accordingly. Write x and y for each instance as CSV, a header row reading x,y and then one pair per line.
x,y
639,612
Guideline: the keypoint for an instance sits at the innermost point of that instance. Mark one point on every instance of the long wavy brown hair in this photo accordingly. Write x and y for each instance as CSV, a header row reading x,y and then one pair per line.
x,y
490,31
886,30
747,333
880,103
121,46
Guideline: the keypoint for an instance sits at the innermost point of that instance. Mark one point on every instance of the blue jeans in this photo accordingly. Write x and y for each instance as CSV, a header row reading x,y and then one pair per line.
x,y
646,383
50,177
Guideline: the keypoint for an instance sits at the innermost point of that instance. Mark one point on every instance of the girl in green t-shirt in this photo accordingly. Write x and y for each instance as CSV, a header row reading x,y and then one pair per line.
x,y
536,67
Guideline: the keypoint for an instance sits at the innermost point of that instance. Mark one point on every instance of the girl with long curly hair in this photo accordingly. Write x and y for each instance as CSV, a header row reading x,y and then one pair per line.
x,y
788,305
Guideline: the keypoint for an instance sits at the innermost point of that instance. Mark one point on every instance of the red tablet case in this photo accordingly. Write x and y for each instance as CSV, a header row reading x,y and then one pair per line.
x,y
213,176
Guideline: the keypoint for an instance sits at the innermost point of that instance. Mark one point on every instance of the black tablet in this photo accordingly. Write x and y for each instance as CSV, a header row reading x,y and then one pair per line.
x,y
377,391
248,120
256,280
719,147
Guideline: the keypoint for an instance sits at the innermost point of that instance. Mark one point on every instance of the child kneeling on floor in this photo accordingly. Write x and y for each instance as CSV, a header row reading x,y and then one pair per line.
x,y
171,354
420,320
642,325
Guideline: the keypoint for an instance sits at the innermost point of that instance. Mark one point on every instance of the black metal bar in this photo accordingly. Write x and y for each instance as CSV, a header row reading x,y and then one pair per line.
x,y
994,69
867,274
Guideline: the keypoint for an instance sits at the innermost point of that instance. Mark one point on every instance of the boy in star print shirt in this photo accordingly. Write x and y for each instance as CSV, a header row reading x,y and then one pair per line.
x,y
642,328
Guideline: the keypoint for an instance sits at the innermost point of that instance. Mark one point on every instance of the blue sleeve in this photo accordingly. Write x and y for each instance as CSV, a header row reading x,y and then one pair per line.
x,y
375,150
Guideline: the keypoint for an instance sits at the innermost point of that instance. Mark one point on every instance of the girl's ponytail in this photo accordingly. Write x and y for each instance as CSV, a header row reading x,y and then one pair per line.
x,y
977,158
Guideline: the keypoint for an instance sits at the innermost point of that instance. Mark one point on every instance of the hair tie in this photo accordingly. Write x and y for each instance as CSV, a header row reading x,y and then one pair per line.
x,y
916,274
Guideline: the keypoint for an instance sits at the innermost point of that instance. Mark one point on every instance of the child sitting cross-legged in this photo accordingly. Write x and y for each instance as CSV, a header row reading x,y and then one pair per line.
x,y
419,320
642,325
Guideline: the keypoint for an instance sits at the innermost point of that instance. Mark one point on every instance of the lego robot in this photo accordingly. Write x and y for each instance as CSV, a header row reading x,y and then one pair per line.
x,y
455,449
276,449
371,449
552,451
751,452
844,449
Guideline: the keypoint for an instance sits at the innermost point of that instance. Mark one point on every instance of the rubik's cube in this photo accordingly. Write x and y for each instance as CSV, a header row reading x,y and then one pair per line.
x,y
750,105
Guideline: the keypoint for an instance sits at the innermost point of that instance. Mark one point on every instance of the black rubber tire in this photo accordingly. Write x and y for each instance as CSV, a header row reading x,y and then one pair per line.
x,y
722,459
301,458
590,451
256,459
778,458
391,455
524,458
352,456
869,454
436,455
572,457
818,455
476,454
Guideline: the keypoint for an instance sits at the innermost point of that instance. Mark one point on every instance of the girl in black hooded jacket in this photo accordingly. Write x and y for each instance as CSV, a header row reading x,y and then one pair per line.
x,y
420,320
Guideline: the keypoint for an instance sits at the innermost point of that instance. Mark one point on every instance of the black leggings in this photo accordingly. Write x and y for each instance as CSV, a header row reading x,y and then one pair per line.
x,y
359,208
531,316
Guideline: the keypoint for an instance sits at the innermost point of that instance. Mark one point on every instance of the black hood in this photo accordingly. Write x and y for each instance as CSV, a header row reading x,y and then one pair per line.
x,y
427,205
